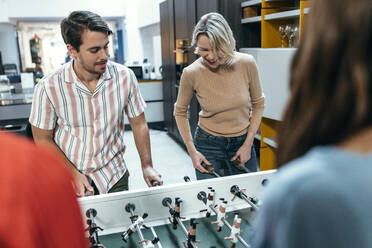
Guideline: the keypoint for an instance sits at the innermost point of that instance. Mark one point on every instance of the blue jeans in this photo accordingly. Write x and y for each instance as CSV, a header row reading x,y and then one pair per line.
x,y
219,150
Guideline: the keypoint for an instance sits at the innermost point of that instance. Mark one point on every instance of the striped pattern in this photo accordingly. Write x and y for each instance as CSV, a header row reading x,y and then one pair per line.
x,y
89,127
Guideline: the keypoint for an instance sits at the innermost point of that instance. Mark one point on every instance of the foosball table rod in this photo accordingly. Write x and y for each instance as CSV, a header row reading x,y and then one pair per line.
x,y
239,193
202,196
156,236
144,243
167,203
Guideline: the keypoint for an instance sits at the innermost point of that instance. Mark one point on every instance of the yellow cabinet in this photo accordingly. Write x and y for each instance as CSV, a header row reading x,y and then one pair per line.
x,y
280,24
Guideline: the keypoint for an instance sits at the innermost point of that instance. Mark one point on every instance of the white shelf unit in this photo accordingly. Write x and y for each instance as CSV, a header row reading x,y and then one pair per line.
x,y
283,15
270,141
251,19
251,3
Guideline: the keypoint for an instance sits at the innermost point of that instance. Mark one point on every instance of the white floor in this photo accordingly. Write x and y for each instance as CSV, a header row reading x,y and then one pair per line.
x,y
168,158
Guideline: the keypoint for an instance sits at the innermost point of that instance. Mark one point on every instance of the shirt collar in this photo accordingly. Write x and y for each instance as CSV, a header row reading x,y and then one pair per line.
x,y
70,75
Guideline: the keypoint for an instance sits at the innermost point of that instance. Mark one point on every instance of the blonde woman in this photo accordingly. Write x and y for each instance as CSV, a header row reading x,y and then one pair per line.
x,y
227,87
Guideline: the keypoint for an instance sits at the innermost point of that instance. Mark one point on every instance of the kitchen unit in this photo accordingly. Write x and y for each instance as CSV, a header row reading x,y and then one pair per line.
x,y
15,111
152,93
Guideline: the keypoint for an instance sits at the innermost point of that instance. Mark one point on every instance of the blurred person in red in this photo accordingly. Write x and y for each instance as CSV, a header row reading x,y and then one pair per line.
x,y
38,206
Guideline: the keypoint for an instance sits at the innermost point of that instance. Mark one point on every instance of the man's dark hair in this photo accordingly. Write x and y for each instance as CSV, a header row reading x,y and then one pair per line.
x,y
74,25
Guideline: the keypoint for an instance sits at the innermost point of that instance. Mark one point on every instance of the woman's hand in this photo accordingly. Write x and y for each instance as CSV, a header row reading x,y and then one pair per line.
x,y
197,159
243,154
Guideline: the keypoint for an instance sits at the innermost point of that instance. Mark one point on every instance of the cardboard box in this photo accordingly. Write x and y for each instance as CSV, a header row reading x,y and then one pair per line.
x,y
250,12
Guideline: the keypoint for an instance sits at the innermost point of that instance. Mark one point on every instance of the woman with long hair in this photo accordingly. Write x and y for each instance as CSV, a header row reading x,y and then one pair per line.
x,y
321,195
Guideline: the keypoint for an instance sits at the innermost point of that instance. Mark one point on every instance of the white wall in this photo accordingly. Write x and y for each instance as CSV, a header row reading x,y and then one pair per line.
x,y
133,39
39,9
142,25
148,9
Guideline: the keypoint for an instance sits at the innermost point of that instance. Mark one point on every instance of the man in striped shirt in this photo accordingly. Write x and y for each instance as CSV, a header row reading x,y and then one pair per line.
x,y
79,110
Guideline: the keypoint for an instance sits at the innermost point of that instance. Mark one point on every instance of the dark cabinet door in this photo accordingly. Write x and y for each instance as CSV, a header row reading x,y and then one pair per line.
x,y
184,26
206,6
168,61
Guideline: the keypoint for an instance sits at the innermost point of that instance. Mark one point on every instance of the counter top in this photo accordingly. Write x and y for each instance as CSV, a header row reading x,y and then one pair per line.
x,y
149,80
17,98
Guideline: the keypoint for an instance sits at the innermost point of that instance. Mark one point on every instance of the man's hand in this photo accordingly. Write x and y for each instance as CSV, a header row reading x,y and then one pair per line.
x,y
197,159
151,175
81,185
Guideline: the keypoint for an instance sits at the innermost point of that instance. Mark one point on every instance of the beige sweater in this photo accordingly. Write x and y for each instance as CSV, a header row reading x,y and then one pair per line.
x,y
231,99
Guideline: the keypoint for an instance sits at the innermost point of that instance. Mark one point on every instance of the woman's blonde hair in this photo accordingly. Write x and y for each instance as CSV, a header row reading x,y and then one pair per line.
x,y
216,28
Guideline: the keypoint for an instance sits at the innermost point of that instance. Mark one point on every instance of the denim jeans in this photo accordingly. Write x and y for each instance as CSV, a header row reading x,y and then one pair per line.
x,y
219,150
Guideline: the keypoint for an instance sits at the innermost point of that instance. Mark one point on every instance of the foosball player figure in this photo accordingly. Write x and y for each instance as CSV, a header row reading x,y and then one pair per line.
x,y
221,215
210,202
149,243
176,213
237,192
131,229
235,231
93,234
240,193
191,237
93,229
136,221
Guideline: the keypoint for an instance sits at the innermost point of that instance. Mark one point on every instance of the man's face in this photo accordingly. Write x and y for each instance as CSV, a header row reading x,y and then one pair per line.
x,y
93,54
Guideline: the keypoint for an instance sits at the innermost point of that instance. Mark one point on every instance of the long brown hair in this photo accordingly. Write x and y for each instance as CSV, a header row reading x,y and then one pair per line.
x,y
331,78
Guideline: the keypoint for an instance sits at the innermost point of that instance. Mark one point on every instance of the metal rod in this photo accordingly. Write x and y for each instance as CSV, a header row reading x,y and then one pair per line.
x,y
215,173
239,193
179,222
183,227
254,206
205,166
227,224
139,231
155,236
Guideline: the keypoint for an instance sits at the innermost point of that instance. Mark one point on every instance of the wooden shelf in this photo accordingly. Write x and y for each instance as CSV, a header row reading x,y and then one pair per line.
x,y
251,19
251,3
283,15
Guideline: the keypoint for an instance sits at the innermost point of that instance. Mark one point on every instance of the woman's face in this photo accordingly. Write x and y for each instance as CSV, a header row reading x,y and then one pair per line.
x,y
205,50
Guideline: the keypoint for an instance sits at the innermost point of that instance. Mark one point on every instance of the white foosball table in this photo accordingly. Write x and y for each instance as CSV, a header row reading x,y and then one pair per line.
x,y
178,215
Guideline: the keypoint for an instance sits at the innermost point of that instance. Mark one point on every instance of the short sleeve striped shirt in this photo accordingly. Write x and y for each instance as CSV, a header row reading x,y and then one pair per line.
x,y
89,127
